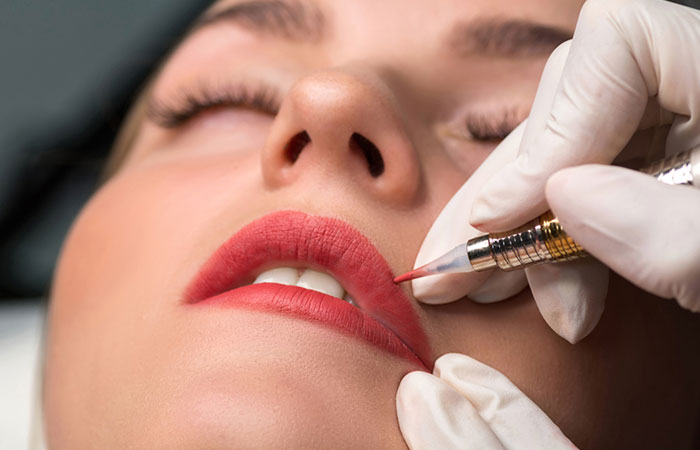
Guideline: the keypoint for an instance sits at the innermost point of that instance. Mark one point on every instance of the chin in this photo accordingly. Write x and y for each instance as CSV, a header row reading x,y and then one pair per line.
x,y
230,379
275,382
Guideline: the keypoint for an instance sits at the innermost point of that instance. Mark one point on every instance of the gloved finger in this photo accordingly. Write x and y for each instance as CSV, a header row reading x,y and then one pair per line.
x,y
570,296
499,286
451,229
619,58
502,190
432,415
644,230
514,418
546,92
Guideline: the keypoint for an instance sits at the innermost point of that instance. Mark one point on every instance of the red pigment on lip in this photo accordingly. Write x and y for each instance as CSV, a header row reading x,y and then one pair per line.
x,y
336,247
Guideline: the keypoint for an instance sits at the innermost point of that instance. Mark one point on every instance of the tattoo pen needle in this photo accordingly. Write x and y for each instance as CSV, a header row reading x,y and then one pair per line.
x,y
456,260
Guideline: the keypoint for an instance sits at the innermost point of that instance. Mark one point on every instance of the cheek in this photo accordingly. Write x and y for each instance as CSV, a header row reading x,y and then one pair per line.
x,y
120,269
140,224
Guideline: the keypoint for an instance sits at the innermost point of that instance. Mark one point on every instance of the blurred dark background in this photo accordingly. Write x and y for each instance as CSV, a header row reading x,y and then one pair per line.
x,y
68,71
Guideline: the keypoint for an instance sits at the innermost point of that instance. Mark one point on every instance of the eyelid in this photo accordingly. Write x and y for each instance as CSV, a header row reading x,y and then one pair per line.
x,y
492,127
192,101
262,97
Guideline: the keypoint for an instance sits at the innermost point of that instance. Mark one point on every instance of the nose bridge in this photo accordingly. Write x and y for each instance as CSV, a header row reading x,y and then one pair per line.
x,y
345,121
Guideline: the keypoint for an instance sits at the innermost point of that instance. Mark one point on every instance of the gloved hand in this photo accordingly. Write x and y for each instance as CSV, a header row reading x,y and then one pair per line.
x,y
468,405
631,69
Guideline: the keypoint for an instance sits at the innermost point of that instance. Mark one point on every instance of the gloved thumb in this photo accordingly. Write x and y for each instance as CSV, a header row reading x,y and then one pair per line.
x,y
644,230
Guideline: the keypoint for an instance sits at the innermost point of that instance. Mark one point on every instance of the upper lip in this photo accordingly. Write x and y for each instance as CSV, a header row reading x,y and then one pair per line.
x,y
317,242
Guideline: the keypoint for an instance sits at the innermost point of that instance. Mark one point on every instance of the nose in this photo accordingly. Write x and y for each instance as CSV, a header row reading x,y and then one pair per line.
x,y
343,125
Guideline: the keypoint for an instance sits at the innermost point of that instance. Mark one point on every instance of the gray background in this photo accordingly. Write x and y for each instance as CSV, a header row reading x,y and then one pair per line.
x,y
67,71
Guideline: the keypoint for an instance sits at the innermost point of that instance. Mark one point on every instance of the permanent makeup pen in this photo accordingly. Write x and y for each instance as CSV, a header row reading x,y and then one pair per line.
x,y
542,240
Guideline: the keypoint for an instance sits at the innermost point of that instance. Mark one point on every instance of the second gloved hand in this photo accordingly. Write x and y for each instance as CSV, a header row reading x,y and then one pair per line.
x,y
468,405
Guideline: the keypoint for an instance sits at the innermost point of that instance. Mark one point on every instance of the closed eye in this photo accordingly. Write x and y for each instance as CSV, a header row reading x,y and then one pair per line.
x,y
492,127
189,103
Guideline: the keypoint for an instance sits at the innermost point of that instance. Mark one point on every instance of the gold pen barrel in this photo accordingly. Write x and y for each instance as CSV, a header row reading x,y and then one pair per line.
x,y
544,239
541,240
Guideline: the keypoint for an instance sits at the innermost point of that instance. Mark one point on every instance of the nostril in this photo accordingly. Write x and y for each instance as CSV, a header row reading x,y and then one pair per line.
x,y
371,152
295,145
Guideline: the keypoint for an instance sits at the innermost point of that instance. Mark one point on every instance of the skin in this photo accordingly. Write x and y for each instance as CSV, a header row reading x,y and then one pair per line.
x,y
128,366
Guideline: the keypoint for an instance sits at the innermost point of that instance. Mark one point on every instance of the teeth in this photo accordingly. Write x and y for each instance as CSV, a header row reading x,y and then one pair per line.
x,y
281,275
309,279
321,282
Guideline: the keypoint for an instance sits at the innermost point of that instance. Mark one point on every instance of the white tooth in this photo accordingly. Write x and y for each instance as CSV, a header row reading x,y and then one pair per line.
x,y
349,299
280,275
321,282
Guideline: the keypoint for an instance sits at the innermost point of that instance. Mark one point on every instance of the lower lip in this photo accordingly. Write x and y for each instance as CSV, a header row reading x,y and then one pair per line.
x,y
315,307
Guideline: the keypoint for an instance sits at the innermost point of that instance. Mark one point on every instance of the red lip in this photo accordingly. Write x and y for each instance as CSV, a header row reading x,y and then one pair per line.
x,y
385,316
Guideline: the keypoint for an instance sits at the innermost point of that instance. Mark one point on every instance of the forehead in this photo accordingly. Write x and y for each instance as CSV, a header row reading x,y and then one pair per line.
x,y
399,24
431,9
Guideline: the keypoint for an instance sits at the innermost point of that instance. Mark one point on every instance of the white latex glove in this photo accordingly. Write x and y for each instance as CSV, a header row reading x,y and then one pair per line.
x,y
451,229
632,65
468,405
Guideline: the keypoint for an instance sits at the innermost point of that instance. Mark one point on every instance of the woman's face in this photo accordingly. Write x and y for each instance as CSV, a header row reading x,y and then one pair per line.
x,y
364,116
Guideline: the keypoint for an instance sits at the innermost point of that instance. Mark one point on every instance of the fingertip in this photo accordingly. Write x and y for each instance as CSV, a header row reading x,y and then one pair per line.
x,y
480,216
449,360
447,288
499,286
490,206
479,225
413,380
430,291
509,199
493,208
415,390
570,296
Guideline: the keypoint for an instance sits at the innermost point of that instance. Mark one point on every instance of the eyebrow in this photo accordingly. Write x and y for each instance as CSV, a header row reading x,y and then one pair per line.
x,y
297,20
291,20
505,38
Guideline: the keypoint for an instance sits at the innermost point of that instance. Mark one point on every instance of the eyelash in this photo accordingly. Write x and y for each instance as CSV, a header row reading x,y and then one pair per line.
x,y
492,128
172,114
